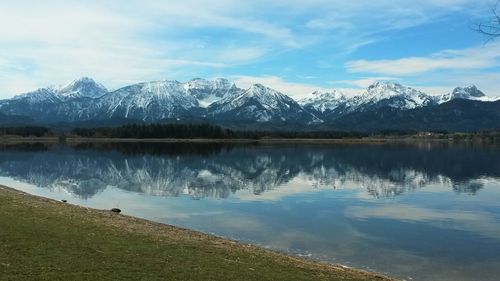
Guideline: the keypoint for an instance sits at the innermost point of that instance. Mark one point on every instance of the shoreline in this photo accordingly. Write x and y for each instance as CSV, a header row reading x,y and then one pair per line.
x,y
77,140
129,225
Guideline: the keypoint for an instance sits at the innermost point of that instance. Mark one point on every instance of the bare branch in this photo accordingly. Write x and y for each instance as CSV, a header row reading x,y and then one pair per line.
x,y
491,28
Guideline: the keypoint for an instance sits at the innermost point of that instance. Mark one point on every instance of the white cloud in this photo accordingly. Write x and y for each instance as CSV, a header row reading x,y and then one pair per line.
x,y
242,54
361,23
436,91
467,59
119,42
364,82
485,81
231,14
478,222
295,90
58,41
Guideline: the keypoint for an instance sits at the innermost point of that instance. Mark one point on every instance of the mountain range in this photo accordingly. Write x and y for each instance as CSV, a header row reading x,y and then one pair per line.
x,y
383,105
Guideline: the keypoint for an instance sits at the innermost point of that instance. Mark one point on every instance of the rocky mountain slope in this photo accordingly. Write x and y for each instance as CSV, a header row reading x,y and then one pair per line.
x,y
260,104
221,101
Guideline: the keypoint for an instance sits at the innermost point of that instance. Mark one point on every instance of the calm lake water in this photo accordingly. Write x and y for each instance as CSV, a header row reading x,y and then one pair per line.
x,y
421,212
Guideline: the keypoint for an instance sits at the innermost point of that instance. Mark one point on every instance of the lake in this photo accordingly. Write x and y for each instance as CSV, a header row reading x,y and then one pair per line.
x,y
424,211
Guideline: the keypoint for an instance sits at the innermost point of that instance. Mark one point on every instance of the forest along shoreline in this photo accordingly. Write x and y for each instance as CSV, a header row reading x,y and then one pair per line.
x,y
211,133
16,139
48,239
368,140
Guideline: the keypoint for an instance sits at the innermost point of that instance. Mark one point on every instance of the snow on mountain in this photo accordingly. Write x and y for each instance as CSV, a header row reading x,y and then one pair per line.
x,y
55,103
384,93
208,92
152,101
261,104
84,99
469,93
324,101
47,95
217,100
32,104
332,105
149,101
83,87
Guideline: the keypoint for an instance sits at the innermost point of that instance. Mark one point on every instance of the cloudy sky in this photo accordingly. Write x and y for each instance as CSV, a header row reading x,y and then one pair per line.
x,y
293,46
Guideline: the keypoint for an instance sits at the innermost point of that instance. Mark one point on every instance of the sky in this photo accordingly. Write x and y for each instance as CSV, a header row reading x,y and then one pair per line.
x,y
294,46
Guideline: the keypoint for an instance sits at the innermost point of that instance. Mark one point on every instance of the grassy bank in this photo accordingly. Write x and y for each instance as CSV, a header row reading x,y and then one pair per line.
x,y
42,239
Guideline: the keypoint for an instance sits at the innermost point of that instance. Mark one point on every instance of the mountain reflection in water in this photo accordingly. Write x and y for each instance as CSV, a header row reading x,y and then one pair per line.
x,y
425,211
219,170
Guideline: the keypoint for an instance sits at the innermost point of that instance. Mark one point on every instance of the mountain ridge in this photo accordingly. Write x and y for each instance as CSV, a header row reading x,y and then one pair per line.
x,y
221,101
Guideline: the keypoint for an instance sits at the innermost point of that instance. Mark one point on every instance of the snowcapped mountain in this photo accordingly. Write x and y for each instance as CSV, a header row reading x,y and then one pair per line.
x,y
208,92
390,94
83,87
42,95
468,93
154,101
323,101
147,101
32,104
55,103
219,101
84,99
332,105
326,105
260,104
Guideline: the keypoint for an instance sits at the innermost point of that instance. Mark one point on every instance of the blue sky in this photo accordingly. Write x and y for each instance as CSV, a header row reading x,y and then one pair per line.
x,y
293,46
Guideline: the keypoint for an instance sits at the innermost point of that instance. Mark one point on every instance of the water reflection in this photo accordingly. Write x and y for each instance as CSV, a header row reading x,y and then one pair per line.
x,y
426,211
219,170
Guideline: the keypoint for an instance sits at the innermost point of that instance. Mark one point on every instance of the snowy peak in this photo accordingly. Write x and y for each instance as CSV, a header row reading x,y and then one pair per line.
x,y
468,93
83,87
166,99
204,84
164,92
216,100
324,101
261,104
210,91
323,96
385,84
48,94
386,89
391,94
257,93
163,88
471,91
200,92
269,98
332,95
259,90
331,105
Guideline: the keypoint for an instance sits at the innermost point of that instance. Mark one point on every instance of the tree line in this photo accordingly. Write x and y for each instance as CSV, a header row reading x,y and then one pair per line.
x,y
25,131
192,131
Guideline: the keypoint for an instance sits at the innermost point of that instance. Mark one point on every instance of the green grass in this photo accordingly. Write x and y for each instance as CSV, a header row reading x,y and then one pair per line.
x,y
41,239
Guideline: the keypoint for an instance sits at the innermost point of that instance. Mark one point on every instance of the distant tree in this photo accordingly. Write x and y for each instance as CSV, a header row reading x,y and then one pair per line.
x,y
190,131
491,27
27,131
